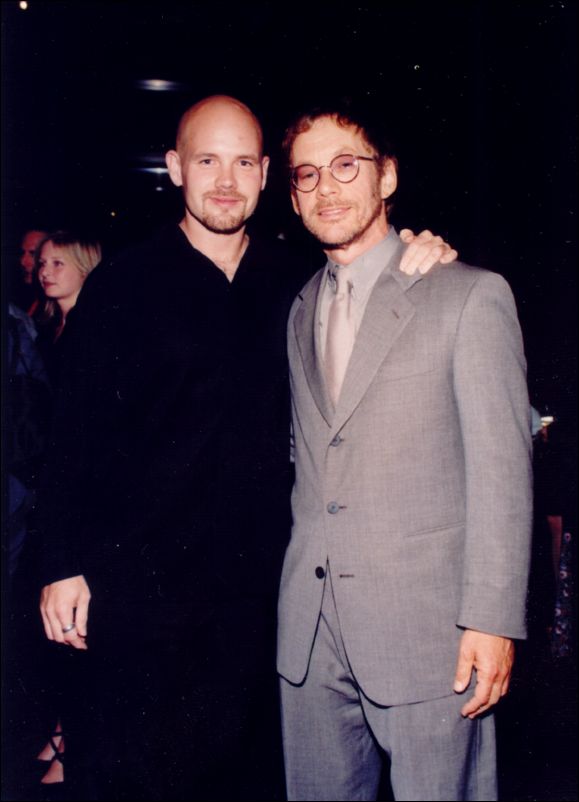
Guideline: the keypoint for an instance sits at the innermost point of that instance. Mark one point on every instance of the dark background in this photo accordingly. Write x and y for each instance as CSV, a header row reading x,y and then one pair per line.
x,y
481,97
481,101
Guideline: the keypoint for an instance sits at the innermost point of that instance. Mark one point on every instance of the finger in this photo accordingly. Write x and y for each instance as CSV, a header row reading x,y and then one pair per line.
x,y
450,255
44,615
437,252
407,235
482,708
418,256
423,255
75,640
81,617
463,673
46,625
442,253
63,622
480,698
54,625
505,685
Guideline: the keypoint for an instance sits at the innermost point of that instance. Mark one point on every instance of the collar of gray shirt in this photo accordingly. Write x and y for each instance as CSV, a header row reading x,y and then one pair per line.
x,y
365,271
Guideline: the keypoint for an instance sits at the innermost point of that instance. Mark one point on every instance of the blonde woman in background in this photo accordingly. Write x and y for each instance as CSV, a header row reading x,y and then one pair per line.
x,y
63,261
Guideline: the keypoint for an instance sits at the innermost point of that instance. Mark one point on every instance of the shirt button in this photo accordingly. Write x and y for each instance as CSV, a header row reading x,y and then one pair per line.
x,y
333,507
320,573
336,441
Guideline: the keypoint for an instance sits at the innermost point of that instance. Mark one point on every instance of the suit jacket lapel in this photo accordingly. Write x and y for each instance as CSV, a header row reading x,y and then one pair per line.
x,y
306,330
387,314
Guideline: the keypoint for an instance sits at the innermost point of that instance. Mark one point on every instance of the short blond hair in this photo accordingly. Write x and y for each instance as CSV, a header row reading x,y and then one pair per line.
x,y
85,254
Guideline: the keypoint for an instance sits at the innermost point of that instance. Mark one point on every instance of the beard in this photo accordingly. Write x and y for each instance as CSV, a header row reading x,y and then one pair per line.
x,y
224,222
349,233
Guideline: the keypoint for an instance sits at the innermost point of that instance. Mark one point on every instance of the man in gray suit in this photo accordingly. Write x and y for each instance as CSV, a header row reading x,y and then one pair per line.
x,y
405,580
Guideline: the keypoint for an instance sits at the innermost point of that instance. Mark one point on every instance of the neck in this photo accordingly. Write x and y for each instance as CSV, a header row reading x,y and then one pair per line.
x,y
224,250
346,254
65,305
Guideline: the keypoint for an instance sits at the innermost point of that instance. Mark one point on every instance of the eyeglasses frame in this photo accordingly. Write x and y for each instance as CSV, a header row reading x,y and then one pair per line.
x,y
329,166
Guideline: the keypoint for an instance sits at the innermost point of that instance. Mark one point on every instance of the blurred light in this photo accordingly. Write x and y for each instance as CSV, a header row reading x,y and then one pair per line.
x,y
113,214
159,85
23,5
155,170
547,420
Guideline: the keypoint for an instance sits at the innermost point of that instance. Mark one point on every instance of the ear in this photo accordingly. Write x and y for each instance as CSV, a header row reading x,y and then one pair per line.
x,y
264,169
389,180
173,162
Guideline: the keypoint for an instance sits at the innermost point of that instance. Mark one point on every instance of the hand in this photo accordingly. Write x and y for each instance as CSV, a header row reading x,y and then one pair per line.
x,y
62,604
424,250
492,657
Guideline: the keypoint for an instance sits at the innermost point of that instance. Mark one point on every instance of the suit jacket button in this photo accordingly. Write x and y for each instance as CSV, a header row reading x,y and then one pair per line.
x,y
320,573
336,441
333,507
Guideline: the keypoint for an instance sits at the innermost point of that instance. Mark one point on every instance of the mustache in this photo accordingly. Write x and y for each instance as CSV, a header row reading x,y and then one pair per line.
x,y
322,207
221,194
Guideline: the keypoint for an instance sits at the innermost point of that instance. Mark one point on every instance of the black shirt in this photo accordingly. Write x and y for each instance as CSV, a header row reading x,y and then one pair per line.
x,y
168,473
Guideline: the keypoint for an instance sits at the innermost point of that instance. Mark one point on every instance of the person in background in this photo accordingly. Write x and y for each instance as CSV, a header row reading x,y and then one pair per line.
x,y
24,289
552,586
166,504
405,579
64,260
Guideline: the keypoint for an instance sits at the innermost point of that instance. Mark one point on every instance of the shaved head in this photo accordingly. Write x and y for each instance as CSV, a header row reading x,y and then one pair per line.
x,y
208,107
219,163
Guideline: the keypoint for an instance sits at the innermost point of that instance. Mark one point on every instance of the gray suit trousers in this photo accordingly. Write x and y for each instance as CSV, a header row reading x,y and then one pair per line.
x,y
333,735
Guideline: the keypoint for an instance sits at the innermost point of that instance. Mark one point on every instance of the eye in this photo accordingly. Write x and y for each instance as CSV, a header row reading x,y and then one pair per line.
x,y
206,162
305,171
344,163
247,163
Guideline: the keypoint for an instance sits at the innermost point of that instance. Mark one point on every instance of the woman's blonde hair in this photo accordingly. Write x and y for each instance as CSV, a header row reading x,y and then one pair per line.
x,y
84,253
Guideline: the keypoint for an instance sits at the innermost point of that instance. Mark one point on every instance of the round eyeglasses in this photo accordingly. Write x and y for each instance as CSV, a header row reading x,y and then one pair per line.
x,y
306,177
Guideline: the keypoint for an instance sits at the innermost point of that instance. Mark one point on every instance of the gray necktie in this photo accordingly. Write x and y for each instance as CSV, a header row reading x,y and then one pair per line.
x,y
341,333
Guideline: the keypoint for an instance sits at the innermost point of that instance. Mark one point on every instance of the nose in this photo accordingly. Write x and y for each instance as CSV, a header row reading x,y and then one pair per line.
x,y
226,177
327,184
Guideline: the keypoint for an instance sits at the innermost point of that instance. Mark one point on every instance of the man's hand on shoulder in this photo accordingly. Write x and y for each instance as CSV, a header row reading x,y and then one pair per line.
x,y
64,610
492,657
424,250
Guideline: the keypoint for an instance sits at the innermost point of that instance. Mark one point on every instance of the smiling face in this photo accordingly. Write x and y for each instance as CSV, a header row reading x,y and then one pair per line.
x,y
348,219
219,164
58,274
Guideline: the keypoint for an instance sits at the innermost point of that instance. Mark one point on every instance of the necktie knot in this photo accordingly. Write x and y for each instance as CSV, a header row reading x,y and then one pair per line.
x,y
342,281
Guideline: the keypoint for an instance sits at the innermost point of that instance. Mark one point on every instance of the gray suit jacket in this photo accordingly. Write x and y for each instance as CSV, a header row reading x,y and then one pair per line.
x,y
417,488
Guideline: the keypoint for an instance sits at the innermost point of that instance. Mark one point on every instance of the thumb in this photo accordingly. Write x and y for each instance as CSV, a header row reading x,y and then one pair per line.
x,y
463,672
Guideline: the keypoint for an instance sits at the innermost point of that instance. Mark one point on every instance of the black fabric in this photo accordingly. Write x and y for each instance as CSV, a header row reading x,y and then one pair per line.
x,y
28,403
167,487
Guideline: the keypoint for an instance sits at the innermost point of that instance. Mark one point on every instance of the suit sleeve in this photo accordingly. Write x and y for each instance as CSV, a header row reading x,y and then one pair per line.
x,y
494,413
